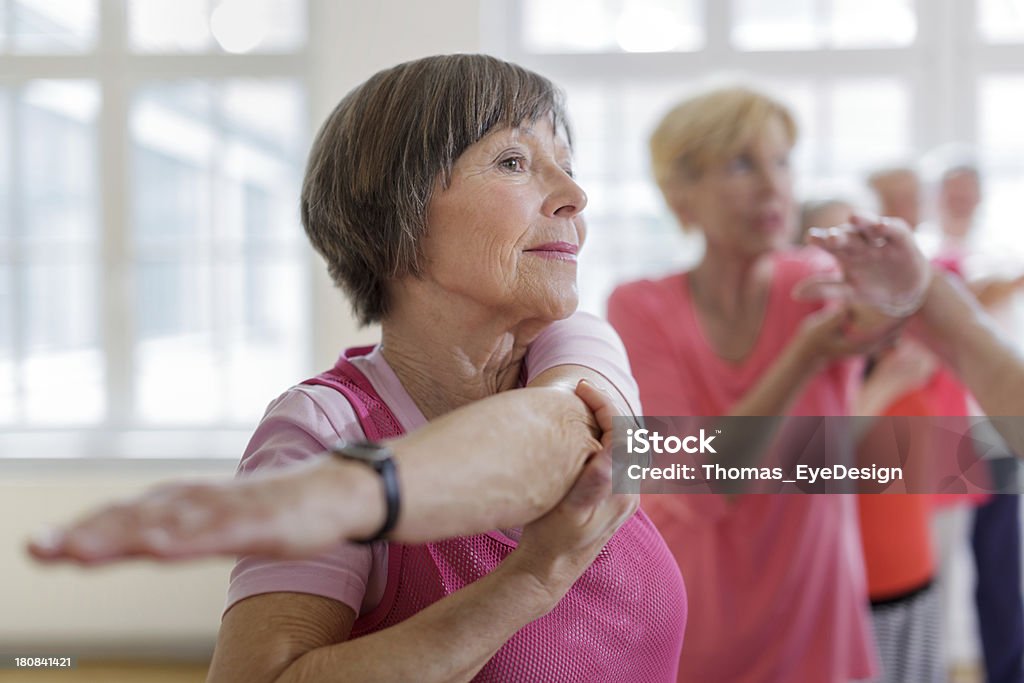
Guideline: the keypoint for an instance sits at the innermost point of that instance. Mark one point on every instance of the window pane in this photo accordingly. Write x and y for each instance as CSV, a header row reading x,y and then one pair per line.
x,y
217,342
809,24
219,251
178,370
7,364
54,304
268,332
870,124
782,25
238,26
643,105
8,369
872,23
1001,141
173,146
996,235
1000,132
6,163
612,25
54,26
1001,21
58,162
62,368
588,105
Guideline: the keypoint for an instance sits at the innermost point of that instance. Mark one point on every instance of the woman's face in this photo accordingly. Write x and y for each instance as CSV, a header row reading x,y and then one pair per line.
x,y
744,203
505,234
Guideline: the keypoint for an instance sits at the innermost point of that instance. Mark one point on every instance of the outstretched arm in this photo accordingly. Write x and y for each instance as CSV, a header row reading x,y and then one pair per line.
x,y
956,327
948,318
499,462
535,440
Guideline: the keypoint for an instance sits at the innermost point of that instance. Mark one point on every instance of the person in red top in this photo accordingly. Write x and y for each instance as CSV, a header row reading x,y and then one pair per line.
x,y
777,585
895,528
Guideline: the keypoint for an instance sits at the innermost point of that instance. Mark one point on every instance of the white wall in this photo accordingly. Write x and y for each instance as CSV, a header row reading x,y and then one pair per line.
x,y
140,608
133,609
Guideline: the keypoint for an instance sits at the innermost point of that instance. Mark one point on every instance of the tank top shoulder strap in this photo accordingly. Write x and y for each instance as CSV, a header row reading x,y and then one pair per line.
x,y
376,419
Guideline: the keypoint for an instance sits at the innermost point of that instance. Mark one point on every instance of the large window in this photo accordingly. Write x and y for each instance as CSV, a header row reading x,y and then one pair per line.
x,y
872,82
153,275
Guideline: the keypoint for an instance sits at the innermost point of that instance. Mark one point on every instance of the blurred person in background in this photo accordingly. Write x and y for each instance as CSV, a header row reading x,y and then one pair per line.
x,y
995,528
894,529
781,584
899,555
957,191
897,191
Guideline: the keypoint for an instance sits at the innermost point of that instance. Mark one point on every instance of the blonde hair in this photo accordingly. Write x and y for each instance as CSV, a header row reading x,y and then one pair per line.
x,y
709,128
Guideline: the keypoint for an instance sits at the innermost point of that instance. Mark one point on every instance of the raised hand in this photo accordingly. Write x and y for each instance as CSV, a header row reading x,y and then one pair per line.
x,y
881,266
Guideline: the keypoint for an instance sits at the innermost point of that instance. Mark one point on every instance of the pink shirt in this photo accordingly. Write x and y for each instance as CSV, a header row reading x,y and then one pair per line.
x,y
307,419
777,589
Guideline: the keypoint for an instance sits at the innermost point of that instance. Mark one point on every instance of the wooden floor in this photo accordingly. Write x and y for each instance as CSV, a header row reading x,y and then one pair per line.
x,y
110,672
116,672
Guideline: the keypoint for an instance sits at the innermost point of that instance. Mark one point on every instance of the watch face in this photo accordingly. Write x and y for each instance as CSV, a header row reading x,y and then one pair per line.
x,y
365,451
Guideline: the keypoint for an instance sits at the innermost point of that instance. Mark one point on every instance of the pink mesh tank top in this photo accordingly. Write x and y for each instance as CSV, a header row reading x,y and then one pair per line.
x,y
621,622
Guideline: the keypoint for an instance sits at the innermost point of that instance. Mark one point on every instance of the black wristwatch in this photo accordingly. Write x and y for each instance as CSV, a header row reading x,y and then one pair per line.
x,y
382,461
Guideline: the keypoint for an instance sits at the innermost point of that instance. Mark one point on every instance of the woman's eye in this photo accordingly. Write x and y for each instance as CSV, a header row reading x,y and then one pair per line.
x,y
741,163
515,164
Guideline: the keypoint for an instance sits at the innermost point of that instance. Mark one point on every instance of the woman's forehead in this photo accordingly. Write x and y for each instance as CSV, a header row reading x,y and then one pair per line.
x,y
538,131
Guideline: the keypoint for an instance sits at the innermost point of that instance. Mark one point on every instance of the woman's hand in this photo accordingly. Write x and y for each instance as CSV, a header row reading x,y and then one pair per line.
x,y
557,548
838,331
881,266
287,513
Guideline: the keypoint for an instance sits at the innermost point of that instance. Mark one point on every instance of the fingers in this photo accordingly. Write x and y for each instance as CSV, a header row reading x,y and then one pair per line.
x,y
168,523
112,534
594,483
856,238
600,403
830,239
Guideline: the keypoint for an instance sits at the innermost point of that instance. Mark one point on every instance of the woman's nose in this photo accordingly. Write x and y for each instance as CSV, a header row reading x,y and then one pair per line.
x,y
566,198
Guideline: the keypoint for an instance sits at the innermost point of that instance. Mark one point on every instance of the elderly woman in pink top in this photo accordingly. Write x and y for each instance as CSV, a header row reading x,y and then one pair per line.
x,y
777,585
440,193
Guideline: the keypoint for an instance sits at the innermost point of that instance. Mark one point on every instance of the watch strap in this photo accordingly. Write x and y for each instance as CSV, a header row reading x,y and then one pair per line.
x,y
381,460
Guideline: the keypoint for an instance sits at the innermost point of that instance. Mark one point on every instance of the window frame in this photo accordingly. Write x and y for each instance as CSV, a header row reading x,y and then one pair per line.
x,y
118,71
943,68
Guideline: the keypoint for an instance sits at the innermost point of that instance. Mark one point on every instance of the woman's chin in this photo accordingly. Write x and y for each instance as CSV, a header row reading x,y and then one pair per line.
x,y
558,308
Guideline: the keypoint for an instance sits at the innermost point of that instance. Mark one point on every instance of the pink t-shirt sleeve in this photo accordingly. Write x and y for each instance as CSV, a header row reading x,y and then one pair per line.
x,y
586,340
636,312
298,426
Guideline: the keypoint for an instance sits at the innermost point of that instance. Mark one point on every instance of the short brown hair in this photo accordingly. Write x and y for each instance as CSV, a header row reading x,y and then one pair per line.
x,y
710,128
377,159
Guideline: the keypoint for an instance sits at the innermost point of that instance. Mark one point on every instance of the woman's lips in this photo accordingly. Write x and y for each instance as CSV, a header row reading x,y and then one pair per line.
x,y
559,251
770,222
